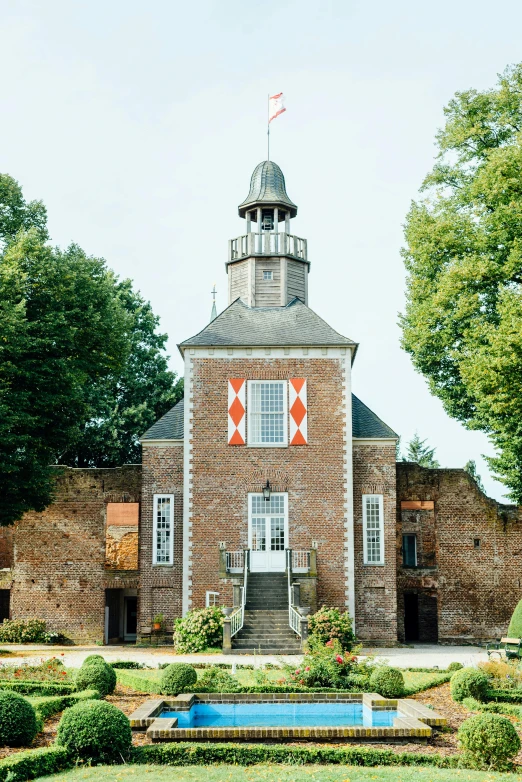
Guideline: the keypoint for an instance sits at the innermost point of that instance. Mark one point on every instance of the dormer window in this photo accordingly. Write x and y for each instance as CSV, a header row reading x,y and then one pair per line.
x,y
268,275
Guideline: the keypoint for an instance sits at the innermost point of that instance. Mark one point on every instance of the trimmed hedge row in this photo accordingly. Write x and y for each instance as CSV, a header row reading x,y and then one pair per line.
x,y
437,678
504,696
37,687
187,754
34,763
495,708
46,706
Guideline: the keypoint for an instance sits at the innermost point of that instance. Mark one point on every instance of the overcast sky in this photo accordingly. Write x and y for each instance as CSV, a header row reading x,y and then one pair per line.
x,y
139,125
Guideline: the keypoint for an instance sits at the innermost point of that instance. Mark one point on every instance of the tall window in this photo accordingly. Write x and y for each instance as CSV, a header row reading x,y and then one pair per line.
x,y
409,550
373,529
163,530
267,416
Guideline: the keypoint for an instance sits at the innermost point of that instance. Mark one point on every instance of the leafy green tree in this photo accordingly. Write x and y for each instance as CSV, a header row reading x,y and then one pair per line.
x,y
125,404
83,372
471,469
61,329
417,451
463,319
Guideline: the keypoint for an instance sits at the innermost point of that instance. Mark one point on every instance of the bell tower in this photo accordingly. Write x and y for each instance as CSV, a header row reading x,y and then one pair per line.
x,y
267,267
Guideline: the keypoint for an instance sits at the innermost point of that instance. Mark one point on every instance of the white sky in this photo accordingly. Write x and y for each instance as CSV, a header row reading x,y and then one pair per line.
x,y
139,125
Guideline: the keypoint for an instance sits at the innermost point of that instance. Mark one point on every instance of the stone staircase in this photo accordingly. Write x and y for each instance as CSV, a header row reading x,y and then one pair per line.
x,y
266,629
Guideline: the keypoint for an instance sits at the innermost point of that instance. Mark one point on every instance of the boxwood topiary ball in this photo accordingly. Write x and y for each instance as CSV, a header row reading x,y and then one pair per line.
x,y
469,683
490,739
387,681
93,658
95,730
95,676
455,667
18,725
178,677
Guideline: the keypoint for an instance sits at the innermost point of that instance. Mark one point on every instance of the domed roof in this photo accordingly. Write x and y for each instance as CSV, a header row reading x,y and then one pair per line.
x,y
267,186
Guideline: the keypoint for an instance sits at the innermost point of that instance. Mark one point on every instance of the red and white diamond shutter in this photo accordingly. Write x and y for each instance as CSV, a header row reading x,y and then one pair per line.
x,y
298,411
236,411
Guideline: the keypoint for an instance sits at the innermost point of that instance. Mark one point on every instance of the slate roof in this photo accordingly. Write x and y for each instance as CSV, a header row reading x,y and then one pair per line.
x,y
364,423
240,325
267,186
169,427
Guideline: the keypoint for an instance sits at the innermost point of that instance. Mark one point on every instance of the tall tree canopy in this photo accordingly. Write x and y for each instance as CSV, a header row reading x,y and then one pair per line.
x,y
82,369
463,319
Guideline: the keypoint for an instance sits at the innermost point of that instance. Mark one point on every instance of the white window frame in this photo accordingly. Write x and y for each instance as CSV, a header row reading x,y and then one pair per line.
x,y
250,385
267,552
268,275
379,497
215,595
170,563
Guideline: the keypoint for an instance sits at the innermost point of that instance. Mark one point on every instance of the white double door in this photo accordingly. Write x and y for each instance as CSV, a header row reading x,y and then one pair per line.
x,y
267,532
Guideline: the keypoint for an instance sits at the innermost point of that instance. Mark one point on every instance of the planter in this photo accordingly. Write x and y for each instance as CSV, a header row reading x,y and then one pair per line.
x,y
156,626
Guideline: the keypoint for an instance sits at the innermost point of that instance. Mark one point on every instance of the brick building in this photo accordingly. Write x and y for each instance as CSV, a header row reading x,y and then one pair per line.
x,y
270,488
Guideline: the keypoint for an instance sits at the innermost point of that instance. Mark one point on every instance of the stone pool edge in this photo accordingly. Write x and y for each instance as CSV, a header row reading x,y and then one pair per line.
x,y
414,721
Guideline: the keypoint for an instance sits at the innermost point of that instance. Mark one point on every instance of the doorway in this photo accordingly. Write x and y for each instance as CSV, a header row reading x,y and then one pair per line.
x,y
267,532
411,616
5,596
131,618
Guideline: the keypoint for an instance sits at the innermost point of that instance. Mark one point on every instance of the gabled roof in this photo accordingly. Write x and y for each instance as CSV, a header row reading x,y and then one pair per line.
x,y
240,325
169,427
365,424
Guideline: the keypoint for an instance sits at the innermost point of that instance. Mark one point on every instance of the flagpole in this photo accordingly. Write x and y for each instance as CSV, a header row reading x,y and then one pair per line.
x,y
268,128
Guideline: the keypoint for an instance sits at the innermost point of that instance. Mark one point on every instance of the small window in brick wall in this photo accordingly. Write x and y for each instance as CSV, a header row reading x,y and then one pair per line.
x,y
476,543
409,551
212,599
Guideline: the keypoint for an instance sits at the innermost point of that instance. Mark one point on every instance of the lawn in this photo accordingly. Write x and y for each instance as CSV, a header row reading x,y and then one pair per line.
x,y
274,773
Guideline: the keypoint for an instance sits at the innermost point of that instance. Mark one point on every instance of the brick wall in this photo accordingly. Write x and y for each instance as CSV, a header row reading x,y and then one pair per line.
x,y
59,572
375,586
476,588
161,585
313,475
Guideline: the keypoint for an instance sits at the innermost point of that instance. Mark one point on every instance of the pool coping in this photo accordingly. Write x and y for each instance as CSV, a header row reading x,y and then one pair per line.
x,y
414,721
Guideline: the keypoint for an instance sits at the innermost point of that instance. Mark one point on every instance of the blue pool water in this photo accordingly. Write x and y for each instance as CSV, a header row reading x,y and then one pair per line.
x,y
242,715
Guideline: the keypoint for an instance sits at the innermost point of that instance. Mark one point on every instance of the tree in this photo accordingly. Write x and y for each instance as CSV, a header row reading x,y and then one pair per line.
x,y
61,329
417,451
471,469
83,372
463,319
124,405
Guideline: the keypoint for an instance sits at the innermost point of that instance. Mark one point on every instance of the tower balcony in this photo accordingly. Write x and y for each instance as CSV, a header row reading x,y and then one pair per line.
x,y
268,243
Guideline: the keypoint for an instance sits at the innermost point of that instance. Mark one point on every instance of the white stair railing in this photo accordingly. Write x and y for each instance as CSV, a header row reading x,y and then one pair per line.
x,y
294,617
237,618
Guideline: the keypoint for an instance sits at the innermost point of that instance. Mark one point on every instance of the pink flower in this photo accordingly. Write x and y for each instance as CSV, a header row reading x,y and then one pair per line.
x,y
307,668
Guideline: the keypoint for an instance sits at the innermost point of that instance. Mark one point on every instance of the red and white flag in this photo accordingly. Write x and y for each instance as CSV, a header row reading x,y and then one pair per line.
x,y
276,106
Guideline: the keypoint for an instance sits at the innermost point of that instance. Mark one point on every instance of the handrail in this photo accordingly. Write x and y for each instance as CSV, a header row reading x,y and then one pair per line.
x,y
267,243
294,617
237,617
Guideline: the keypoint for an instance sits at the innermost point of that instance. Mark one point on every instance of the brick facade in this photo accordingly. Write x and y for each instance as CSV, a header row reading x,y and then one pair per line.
x,y
59,573
375,585
161,585
223,475
468,581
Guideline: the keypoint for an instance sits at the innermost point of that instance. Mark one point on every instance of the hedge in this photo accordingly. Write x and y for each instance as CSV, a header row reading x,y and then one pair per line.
x,y
436,679
52,704
37,687
34,763
494,708
504,696
187,754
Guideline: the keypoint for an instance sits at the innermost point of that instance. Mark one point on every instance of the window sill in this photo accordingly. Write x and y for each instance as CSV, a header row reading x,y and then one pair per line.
x,y
267,445
374,564
161,565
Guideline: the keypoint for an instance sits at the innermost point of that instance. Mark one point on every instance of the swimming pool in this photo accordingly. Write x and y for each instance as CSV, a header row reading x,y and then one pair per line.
x,y
252,715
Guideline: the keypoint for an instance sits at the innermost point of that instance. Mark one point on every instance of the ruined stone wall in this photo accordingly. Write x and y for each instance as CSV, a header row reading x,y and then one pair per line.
x,y
59,571
375,585
470,552
160,585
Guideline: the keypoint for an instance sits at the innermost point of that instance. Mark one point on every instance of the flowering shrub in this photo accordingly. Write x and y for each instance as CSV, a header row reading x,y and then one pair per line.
x,y
199,629
326,665
329,624
48,670
27,631
504,675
